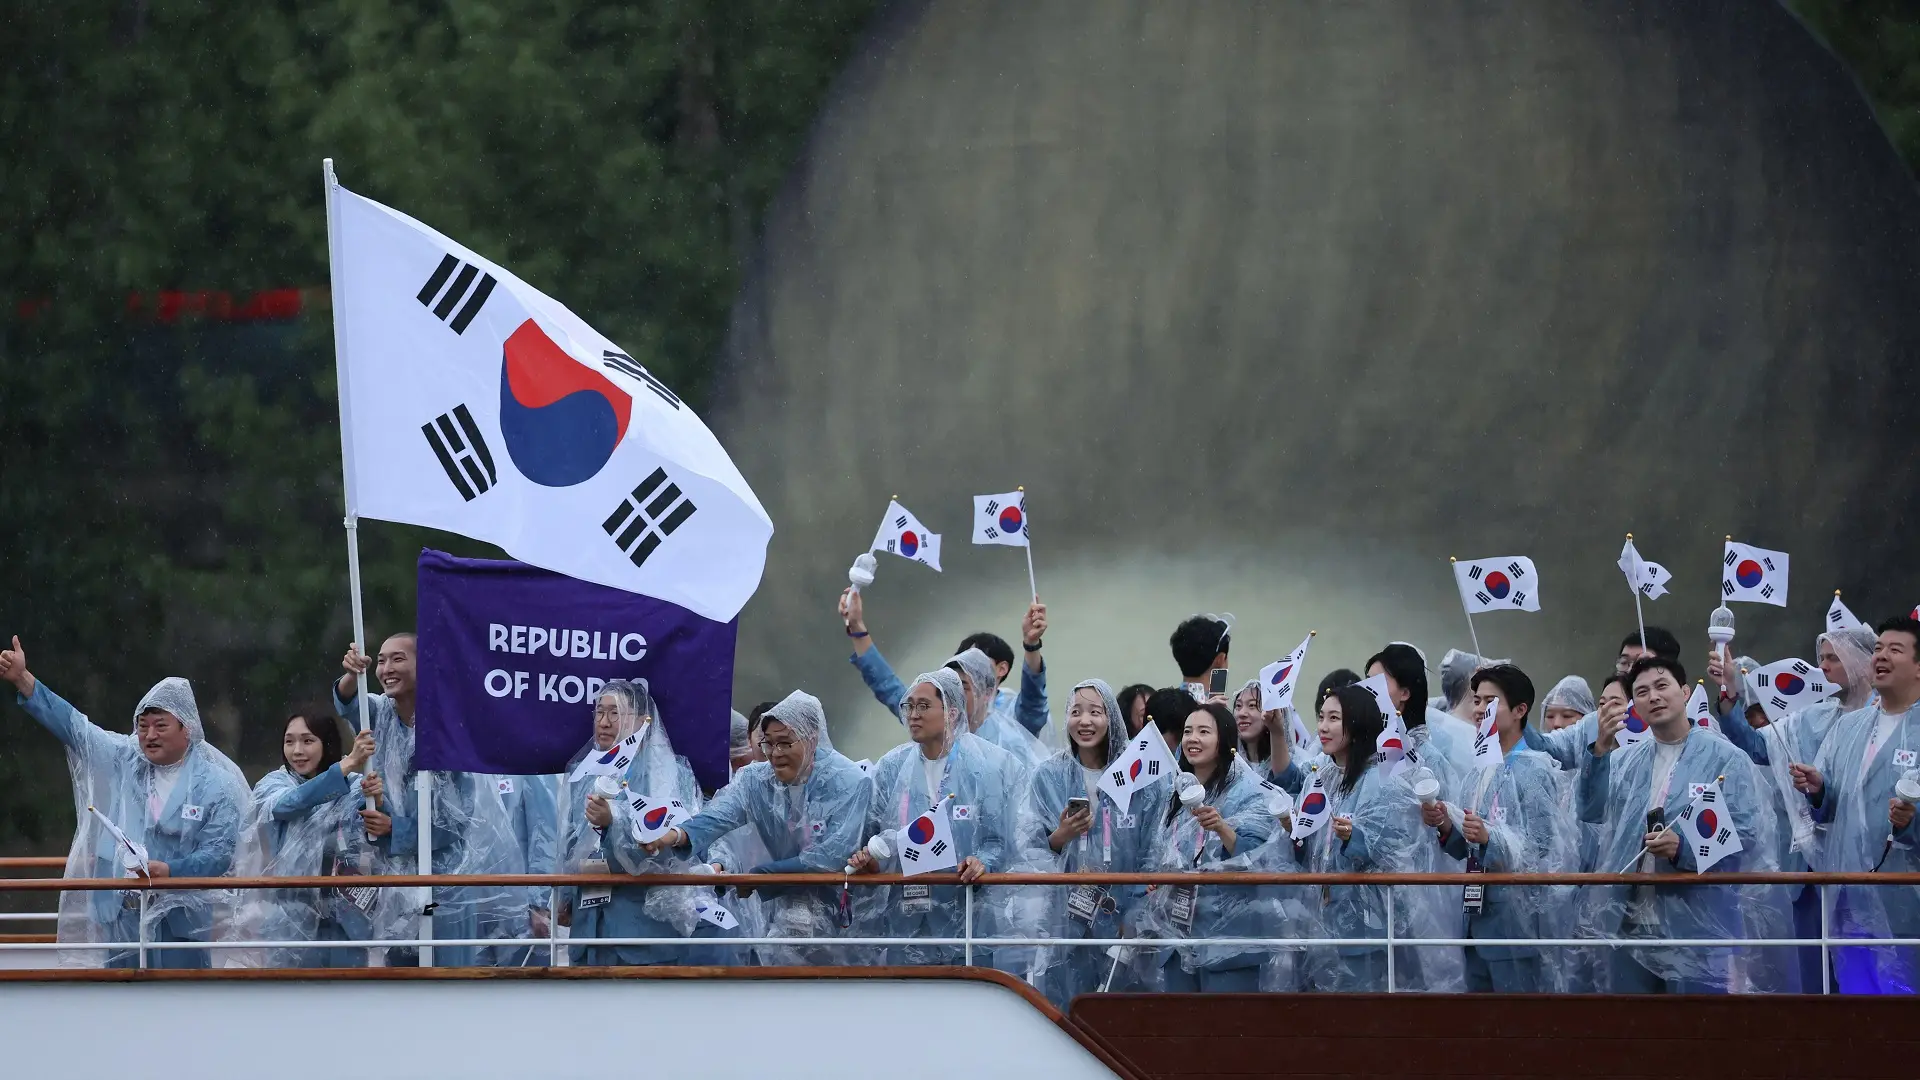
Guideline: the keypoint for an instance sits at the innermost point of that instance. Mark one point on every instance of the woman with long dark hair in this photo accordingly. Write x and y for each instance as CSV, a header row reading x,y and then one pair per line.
x,y
1068,824
1218,832
305,822
1374,827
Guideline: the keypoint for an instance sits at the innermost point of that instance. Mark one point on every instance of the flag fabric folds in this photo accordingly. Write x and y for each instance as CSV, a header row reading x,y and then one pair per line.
x,y
1314,809
1840,618
1700,709
612,761
1278,679
1754,575
1486,738
474,403
902,534
926,844
653,817
1145,760
1787,686
1504,583
1706,825
1000,519
1649,578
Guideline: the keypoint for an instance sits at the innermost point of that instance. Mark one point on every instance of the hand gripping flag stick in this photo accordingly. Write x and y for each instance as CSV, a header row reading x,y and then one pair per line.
x,y
1665,828
1470,631
131,848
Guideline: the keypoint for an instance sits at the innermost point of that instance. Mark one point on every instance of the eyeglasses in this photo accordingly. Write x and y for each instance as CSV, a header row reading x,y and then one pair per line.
x,y
781,747
920,708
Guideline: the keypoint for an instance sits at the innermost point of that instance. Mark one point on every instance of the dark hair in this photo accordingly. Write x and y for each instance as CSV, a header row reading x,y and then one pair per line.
x,y
1195,642
1361,718
324,726
753,718
1168,709
1335,679
1229,747
1655,662
1659,641
1125,699
1403,665
1263,742
1625,686
1906,624
1514,686
993,645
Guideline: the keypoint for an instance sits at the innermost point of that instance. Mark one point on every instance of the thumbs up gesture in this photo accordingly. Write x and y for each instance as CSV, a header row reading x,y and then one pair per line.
x,y
13,668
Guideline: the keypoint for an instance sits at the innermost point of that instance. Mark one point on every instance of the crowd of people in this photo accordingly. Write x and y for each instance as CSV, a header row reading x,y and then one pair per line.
x,y
1828,788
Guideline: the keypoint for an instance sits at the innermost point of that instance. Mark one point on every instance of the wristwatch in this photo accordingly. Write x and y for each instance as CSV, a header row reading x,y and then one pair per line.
x,y
1035,647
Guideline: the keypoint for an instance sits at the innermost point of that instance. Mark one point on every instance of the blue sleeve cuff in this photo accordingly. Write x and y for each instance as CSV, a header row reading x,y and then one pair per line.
x,y
885,686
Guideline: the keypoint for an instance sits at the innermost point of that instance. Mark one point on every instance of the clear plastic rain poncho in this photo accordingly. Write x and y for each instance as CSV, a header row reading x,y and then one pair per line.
x,y
1456,669
1119,840
530,803
628,911
188,815
1530,830
1571,692
469,834
1618,789
307,828
1860,772
1797,738
993,711
971,776
1388,838
1204,909
810,826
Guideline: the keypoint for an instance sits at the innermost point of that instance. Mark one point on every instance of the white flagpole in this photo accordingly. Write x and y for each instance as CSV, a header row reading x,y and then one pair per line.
x,y
1634,581
352,519
1463,607
1026,523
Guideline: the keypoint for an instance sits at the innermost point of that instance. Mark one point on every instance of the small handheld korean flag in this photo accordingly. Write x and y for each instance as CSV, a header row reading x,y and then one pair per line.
x,y
1706,825
1839,618
926,844
1650,578
1700,709
1787,686
1278,679
1395,745
1304,740
1146,760
1498,584
1486,738
1000,519
1753,574
1635,730
902,534
653,817
610,762
715,914
1311,814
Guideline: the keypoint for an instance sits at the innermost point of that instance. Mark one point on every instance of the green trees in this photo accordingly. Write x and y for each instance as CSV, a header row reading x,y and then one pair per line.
x,y
170,501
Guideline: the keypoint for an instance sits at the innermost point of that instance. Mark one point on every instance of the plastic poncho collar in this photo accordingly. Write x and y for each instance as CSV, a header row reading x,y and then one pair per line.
x,y
1571,692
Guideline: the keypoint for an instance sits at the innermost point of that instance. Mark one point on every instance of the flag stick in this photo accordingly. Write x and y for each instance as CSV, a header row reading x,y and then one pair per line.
x,y
1666,827
1026,524
347,486
1469,613
1638,618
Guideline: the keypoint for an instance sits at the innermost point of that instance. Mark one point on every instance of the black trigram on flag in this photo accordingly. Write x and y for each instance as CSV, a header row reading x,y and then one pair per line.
x,y
456,441
627,365
1516,570
1119,776
909,854
1835,618
645,518
1519,598
939,847
451,296
1482,596
1474,572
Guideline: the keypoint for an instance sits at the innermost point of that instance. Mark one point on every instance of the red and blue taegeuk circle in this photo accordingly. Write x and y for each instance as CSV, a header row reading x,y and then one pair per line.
x,y
560,419
1313,804
1133,771
909,543
1749,574
1707,823
1012,520
1497,585
921,831
1788,683
656,817
1280,676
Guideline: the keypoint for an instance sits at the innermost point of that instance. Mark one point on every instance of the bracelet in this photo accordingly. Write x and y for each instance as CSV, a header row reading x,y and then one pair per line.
x,y
1035,647
861,634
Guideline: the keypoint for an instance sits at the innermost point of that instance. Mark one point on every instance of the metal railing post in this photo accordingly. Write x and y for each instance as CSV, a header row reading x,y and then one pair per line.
x,y
143,929
967,955
1826,957
423,792
553,925
1390,895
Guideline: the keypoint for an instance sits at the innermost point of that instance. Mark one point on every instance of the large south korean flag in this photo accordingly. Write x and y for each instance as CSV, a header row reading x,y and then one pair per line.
x,y
472,402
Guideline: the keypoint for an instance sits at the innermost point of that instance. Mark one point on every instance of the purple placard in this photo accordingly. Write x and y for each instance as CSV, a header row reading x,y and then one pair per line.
x,y
500,693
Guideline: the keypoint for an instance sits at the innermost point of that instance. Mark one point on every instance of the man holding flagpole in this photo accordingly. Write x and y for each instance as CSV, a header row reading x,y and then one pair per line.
x,y
1639,793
